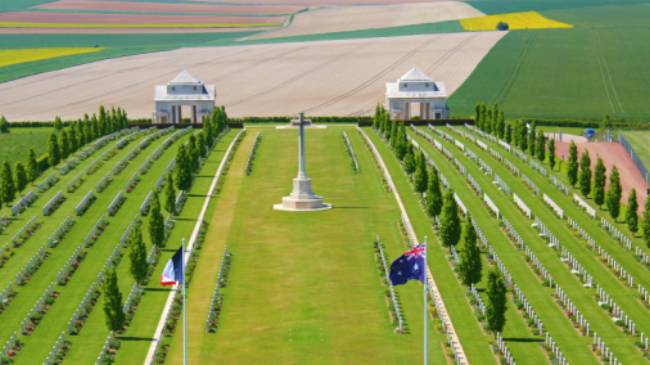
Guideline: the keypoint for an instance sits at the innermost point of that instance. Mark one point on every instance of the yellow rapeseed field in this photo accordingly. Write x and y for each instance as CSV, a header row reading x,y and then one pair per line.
x,y
16,56
519,20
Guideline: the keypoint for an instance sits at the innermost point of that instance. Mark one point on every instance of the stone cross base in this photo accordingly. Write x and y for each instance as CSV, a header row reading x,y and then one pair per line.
x,y
302,199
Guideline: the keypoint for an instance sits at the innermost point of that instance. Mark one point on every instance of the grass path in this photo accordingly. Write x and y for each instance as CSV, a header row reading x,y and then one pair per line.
x,y
303,288
575,347
475,341
583,298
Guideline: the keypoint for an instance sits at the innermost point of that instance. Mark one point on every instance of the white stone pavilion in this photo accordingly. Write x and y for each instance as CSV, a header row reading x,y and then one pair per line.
x,y
184,91
415,94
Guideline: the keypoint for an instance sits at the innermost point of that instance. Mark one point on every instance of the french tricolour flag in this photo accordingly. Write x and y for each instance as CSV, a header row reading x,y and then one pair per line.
x,y
173,272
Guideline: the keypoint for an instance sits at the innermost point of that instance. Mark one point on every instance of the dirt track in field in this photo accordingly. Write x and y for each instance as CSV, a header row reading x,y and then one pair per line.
x,y
321,78
612,154
345,18
104,5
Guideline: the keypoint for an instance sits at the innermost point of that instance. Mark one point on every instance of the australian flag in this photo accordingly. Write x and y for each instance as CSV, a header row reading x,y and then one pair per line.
x,y
409,266
173,271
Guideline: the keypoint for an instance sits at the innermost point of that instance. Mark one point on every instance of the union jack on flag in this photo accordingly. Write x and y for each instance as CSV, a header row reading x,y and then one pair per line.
x,y
410,266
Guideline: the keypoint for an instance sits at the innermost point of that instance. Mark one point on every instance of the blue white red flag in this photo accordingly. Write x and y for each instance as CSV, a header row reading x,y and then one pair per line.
x,y
173,271
409,266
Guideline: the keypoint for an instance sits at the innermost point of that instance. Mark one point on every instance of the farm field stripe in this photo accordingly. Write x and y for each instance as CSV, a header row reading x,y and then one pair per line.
x,y
575,347
584,299
475,341
38,345
16,56
33,25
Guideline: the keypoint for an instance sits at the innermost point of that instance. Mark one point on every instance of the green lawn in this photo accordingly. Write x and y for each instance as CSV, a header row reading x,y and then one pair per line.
x,y
15,146
592,70
640,141
303,288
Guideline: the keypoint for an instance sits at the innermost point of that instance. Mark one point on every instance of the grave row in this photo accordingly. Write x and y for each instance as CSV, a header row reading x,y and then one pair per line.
x,y
395,306
501,185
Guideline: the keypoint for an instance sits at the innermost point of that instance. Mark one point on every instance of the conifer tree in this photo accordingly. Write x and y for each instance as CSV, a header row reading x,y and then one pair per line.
x,y
541,146
434,194
585,174
58,124
631,214
137,255
646,221
501,125
508,134
600,179
200,144
21,176
74,142
4,125
470,265
156,222
614,192
7,187
532,139
402,142
477,116
64,144
496,303
572,168
449,220
115,318
183,169
54,152
551,153
32,166
170,196
523,136
421,175
409,161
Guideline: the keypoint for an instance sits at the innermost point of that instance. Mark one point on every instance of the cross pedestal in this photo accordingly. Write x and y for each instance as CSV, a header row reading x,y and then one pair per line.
x,y
302,198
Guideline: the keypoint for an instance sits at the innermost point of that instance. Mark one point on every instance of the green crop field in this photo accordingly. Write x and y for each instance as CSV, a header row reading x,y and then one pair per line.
x,y
15,146
594,69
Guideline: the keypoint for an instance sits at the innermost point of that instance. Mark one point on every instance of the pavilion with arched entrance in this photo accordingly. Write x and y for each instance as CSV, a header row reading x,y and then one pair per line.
x,y
416,96
183,92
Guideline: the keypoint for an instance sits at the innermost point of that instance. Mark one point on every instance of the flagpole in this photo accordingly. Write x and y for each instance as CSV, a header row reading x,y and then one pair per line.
x,y
426,302
184,306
